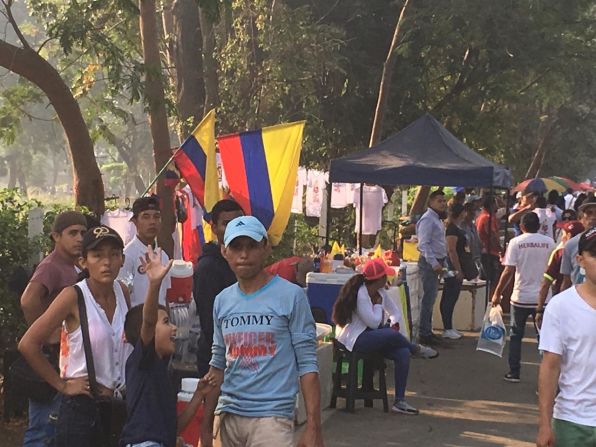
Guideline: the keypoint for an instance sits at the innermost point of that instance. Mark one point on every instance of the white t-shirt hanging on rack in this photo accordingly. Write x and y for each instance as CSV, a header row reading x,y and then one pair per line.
x,y
119,220
314,192
375,199
221,175
195,212
299,191
341,195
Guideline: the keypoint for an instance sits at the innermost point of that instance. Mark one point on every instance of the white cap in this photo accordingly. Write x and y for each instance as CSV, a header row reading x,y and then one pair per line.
x,y
181,269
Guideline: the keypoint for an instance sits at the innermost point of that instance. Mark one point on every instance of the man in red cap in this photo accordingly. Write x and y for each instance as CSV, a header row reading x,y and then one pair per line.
x,y
553,277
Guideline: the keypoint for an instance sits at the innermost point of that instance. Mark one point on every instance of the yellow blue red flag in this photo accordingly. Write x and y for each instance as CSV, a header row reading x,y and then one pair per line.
x,y
196,161
261,168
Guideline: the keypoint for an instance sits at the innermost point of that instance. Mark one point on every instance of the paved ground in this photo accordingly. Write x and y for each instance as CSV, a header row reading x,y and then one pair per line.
x,y
462,397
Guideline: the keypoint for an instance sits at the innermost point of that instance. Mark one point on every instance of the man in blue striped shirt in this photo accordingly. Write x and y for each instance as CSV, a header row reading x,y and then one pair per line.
x,y
433,251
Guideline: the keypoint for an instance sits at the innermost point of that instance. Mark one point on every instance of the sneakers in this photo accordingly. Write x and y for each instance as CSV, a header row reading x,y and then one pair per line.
x,y
452,334
424,352
401,406
430,340
511,377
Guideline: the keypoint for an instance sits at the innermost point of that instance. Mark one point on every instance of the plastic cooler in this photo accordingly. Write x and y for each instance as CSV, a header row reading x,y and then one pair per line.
x,y
181,289
322,290
191,433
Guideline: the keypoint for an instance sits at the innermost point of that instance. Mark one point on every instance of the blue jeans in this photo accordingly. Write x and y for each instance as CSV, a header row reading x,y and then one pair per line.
x,y
394,346
430,287
42,423
451,289
519,317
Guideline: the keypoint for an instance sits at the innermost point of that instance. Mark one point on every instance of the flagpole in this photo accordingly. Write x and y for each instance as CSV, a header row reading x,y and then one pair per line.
x,y
165,166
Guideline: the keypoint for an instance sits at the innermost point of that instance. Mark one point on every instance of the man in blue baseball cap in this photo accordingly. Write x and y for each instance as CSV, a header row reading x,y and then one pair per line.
x,y
264,340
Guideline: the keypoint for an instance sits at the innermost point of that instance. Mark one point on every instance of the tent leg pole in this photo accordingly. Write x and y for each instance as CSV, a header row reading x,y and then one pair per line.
x,y
490,235
360,225
328,216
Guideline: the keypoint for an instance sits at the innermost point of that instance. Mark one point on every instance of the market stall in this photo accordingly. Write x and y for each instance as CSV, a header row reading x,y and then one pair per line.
x,y
424,153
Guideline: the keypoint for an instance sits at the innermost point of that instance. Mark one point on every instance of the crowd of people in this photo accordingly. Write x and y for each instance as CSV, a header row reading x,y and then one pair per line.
x,y
100,335
551,263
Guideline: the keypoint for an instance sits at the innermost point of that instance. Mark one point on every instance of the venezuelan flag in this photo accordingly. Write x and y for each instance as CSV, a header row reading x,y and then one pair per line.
x,y
261,168
197,163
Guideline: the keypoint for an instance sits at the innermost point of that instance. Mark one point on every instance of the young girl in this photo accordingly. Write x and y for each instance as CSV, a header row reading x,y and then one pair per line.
x,y
359,315
106,302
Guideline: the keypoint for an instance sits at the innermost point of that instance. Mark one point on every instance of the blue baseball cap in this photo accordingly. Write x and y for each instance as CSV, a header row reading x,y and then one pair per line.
x,y
248,226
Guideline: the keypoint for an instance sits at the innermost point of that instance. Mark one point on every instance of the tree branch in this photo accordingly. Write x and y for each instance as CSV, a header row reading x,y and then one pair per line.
x,y
7,7
43,44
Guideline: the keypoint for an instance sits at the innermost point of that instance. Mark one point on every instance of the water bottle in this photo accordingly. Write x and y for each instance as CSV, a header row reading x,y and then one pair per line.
x,y
317,264
402,273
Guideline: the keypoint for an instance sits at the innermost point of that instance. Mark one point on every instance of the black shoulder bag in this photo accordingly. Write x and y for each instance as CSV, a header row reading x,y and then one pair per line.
x,y
112,411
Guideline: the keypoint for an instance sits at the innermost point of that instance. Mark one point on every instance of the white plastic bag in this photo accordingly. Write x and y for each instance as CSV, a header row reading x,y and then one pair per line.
x,y
492,333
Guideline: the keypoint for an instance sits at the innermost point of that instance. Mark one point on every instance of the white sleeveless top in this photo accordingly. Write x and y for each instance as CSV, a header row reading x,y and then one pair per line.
x,y
108,344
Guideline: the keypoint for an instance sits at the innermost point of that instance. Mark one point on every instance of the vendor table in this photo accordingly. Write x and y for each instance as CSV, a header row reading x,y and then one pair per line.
x,y
469,309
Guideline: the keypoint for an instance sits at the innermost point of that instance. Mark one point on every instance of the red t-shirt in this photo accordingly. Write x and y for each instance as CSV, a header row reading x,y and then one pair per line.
x,y
482,222
55,273
286,268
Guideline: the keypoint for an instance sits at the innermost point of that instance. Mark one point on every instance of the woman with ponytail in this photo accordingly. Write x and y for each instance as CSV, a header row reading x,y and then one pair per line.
x,y
359,313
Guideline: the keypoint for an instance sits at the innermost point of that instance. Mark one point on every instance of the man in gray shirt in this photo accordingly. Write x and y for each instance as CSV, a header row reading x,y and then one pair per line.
x,y
570,269
433,251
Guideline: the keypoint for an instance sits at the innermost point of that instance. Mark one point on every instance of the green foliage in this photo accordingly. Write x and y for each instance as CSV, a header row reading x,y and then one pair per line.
x,y
15,252
277,67
15,249
12,102
300,239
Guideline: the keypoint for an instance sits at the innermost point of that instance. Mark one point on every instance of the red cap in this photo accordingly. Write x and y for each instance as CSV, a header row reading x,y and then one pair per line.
x,y
574,227
376,268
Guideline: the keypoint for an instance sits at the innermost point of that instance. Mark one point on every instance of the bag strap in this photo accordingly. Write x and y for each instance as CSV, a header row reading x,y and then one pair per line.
x,y
87,342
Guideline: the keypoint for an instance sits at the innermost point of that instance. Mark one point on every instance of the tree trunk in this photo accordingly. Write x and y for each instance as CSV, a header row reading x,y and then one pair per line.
x,y
190,88
545,132
420,200
87,182
12,171
21,178
209,62
158,120
385,86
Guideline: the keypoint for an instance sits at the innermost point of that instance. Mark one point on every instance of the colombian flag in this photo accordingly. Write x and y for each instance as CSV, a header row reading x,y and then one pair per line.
x,y
261,168
197,163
